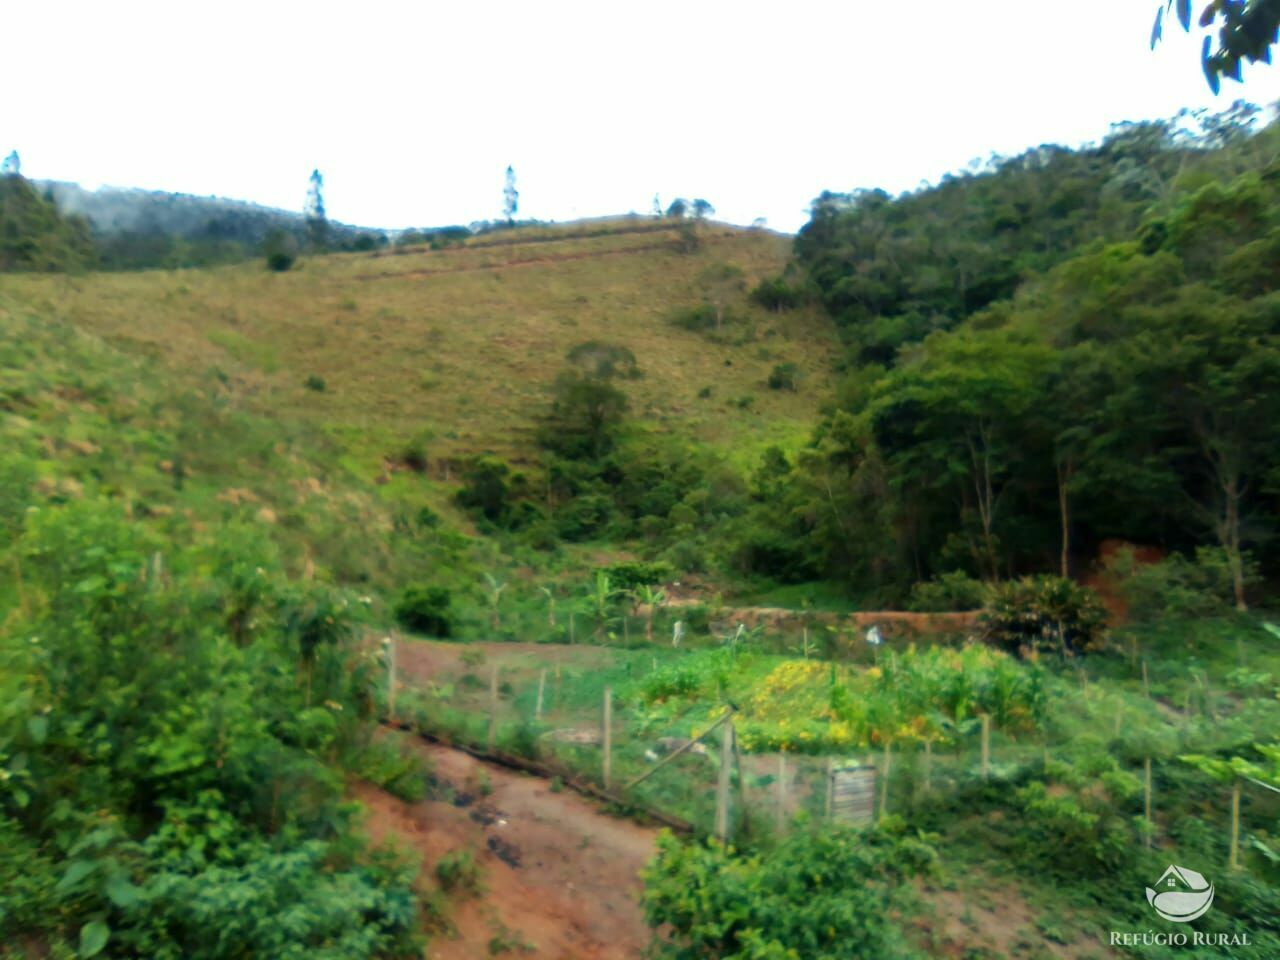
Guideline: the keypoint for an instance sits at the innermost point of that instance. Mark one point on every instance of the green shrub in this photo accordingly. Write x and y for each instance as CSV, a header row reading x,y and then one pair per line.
x,y
280,250
949,591
1043,613
629,575
314,383
459,873
1178,586
819,895
776,294
584,517
426,610
784,376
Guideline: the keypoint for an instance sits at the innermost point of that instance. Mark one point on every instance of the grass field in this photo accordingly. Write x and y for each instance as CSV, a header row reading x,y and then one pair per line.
x,y
460,345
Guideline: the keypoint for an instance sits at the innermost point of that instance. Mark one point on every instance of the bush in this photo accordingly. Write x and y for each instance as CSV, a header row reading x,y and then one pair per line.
x,y
426,610
459,873
585,516
1043,613
697,319
949,591
280,250
785,376
1177,586
631,574
314,383
777,295
819,895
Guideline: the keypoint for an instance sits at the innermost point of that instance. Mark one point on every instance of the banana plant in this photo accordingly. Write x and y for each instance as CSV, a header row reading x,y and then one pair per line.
x,y
493,595
651,598
551,606
599,602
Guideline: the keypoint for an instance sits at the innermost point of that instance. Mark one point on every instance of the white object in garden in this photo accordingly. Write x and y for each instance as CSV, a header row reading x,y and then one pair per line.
x,y
874,637
677,633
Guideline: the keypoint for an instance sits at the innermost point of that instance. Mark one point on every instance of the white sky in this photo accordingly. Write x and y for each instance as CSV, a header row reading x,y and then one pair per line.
x,y
412,111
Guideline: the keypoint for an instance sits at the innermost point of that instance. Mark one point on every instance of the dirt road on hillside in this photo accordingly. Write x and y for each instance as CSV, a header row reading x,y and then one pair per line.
x,y
559,876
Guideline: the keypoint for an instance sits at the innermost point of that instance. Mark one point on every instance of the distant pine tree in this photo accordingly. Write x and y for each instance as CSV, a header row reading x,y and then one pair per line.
x,y
317,221
12,165
510,198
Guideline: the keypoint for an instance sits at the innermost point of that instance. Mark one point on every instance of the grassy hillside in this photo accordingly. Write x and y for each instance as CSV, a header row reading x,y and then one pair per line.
x,y
462,343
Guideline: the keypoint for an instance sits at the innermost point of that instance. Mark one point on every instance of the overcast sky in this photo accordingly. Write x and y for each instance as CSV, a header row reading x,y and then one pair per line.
x,y
412,110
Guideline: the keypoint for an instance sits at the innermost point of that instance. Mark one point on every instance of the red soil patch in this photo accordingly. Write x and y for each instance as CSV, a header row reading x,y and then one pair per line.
x,y
573,890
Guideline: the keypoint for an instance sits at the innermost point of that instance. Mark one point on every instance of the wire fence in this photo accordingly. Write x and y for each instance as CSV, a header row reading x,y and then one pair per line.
x,y
691,773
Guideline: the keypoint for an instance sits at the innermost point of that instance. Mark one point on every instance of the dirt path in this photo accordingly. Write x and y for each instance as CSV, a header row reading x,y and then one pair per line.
x,y
559,876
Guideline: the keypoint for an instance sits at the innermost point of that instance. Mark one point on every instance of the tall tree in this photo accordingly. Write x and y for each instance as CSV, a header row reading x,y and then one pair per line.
x,y
12,165
317,220
510,197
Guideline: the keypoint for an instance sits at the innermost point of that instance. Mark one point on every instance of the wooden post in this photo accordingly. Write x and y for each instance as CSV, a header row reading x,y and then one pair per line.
x,y
986,746
542,686
571,640
391,678
742,787
1235,825
884,782
830,786
928,766
1146,798
1146,682
722,785
782,792
493,706
606,735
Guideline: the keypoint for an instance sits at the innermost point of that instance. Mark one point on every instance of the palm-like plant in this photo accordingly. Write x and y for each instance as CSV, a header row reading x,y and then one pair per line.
x,y
651,598
599,602
551,606
493,594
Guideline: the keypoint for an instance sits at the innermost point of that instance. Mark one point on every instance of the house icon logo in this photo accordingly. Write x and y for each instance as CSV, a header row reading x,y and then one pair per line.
x,y
1181,895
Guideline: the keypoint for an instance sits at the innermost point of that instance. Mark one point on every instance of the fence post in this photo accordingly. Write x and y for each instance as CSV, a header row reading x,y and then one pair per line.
x,y
1235,825
928,766
1146,798
542,686
493,706
722,785
571,640
986,746
782,791
884,785
1146,683
830,785
606,735
391,678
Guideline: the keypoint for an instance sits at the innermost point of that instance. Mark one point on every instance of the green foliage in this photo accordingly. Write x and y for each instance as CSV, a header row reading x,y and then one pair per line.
x,y
820,895
1043,613
948,591
629,575
775,293
459,873
784,376
280,249
34,235
150,729
314,383
1177,586
585,417
427,610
